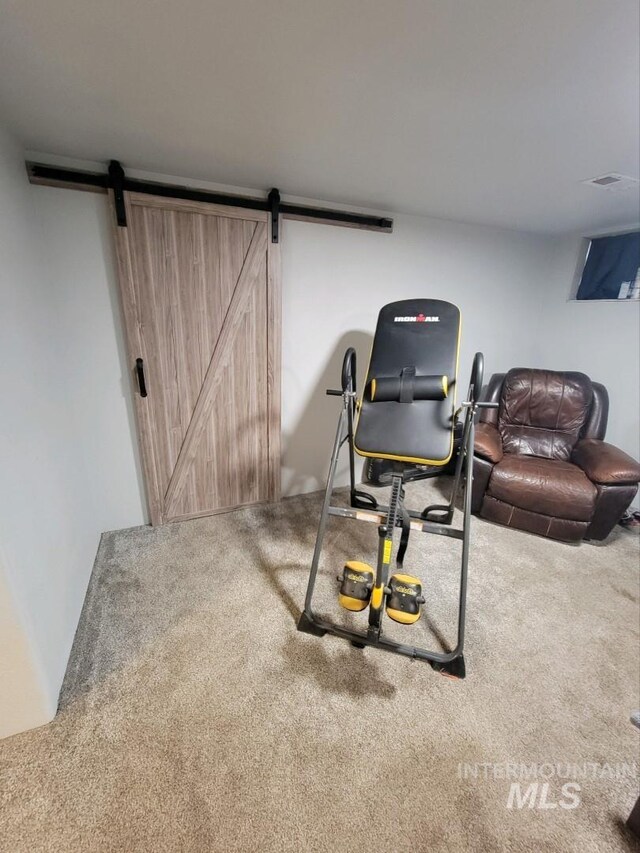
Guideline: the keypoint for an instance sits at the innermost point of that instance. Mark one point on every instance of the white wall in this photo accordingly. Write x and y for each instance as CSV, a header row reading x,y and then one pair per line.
x,y
24,698
68,468
76,244
600,338
336,280
24,702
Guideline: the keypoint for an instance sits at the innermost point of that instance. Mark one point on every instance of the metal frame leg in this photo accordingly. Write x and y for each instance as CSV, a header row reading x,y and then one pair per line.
x,y
466,527
337,444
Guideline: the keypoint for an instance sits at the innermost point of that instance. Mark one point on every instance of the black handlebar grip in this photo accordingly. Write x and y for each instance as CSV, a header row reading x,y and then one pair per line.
x,y
477,375
349,370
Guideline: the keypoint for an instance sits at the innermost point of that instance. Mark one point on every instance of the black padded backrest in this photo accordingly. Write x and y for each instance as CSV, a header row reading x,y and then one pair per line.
x,y
420,333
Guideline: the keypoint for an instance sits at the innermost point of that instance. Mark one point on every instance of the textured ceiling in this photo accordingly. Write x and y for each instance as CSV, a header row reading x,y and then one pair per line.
x,y
490,112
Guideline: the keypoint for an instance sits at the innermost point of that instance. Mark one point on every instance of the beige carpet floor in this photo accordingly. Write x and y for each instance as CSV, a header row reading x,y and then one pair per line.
x,y
195,718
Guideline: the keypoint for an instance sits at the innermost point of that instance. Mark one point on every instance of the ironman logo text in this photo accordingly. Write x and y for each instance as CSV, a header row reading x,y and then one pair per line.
x,y
419,319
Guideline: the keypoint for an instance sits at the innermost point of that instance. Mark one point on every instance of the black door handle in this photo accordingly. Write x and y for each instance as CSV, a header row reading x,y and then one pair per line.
x,y
142,386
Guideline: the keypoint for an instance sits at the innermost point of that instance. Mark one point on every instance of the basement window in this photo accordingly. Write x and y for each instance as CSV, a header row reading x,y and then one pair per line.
x,y
611,268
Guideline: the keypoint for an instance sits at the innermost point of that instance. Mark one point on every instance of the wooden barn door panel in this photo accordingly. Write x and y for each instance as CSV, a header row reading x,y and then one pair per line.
x,y
200,293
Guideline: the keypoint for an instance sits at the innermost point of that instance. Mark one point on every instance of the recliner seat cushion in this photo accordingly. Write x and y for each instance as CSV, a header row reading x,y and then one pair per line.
x,y
547,486
542,412
533,522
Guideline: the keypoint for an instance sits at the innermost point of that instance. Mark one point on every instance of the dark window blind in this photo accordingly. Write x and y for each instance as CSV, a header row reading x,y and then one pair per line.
x,y
611,270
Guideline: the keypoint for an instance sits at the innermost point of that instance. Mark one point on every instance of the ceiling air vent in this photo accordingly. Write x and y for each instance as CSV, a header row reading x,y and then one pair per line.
x,y
613,182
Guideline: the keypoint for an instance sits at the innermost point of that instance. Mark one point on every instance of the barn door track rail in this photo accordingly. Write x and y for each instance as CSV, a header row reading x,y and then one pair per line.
x,y
115,179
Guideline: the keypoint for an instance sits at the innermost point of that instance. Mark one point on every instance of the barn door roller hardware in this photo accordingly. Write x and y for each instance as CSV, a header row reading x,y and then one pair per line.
x,y
274,205
116,180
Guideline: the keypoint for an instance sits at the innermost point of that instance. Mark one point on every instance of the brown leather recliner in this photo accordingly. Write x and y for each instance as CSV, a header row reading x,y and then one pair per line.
x,y
540,462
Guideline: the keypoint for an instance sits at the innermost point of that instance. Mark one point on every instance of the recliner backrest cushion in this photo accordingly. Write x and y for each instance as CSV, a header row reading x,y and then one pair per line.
x,y
543,411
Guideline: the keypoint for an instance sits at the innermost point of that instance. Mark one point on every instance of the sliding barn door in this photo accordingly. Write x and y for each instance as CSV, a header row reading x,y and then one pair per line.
x,y
200,293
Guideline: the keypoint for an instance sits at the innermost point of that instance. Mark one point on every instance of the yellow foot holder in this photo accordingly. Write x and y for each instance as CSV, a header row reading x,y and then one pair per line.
x,y
404,600
356,583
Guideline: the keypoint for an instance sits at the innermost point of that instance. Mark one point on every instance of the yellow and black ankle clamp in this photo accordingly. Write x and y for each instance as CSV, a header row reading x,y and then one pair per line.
x,y
356,583
404,599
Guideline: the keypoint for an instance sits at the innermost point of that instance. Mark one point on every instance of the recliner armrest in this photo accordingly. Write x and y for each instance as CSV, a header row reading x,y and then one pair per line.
x,y
605,464
487,443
